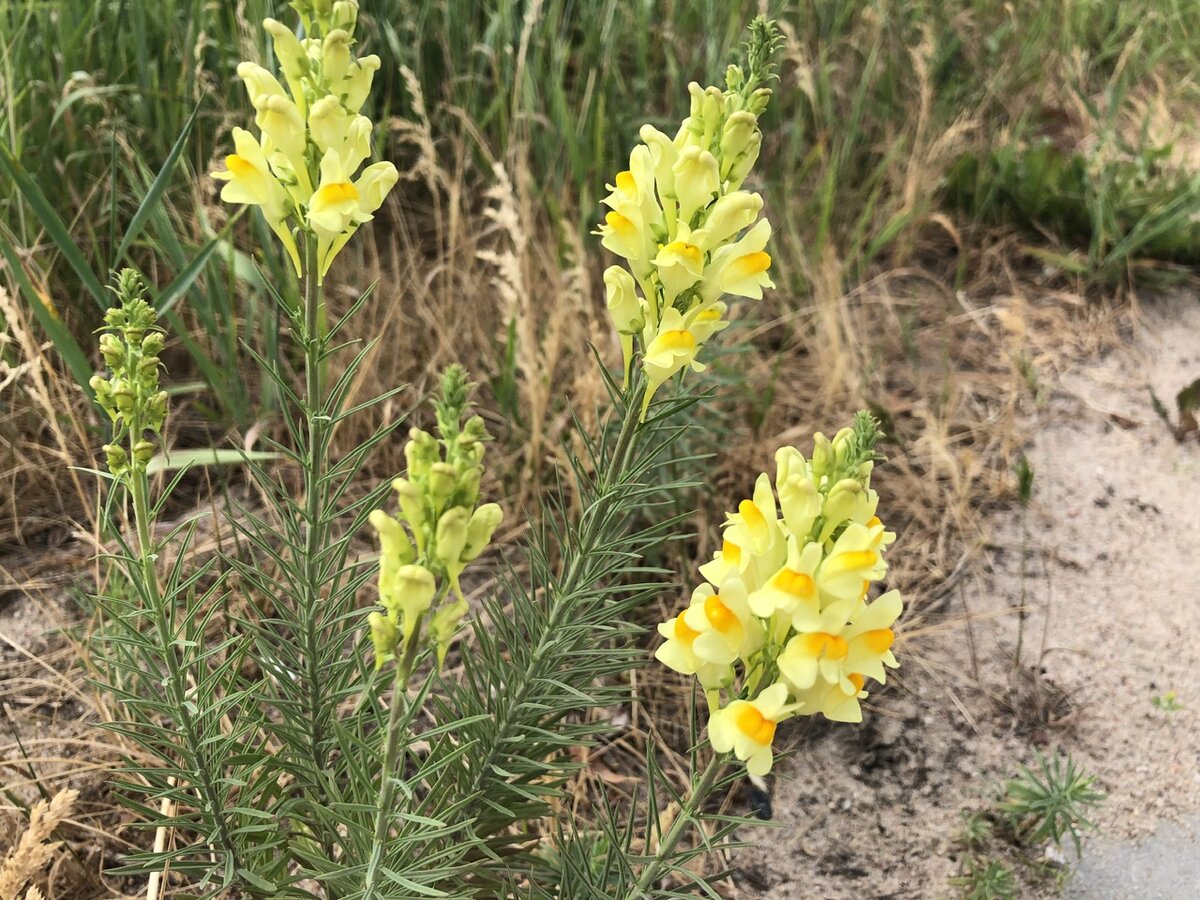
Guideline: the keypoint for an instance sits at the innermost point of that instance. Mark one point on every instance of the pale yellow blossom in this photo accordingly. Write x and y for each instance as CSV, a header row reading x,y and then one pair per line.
x,y
747,727
249,180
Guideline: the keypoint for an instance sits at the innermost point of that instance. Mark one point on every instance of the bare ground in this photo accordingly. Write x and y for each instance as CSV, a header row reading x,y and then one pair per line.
x,y
1107,550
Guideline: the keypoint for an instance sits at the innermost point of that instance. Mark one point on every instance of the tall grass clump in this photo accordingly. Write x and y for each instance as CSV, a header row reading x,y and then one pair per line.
x,y
907,126
288,762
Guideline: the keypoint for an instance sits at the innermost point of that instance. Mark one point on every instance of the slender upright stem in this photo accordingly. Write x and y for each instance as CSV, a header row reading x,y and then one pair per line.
x,y
193,740
315,494
573,570
316,531
700,790
387,788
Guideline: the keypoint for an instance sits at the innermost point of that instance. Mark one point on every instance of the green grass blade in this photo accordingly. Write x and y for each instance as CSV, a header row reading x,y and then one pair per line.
x,y
68,348
203,456
157,187
54,226
174,292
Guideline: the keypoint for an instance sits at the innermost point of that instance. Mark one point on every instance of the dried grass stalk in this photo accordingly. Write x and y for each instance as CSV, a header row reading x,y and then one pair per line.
x,y
35,849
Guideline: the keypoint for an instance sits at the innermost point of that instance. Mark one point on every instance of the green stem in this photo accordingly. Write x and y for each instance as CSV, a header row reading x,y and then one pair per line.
x,y
687,815
315,530
387,789
572,572
193,740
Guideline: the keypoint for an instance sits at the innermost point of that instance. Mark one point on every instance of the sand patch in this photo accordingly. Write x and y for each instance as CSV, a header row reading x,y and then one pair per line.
x,y
1108,550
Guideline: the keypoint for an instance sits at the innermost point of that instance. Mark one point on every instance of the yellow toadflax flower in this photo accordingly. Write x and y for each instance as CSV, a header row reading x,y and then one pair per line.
x,y
249,180
747,727
684,227
795,571
304,173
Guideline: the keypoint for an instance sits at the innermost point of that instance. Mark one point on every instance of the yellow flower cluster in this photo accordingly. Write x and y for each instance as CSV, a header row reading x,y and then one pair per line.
x,y
784,624
313,137
438,502
688,233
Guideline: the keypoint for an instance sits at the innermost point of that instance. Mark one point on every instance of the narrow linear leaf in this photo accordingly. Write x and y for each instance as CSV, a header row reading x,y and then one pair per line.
x,y
203,456
55,227
157,187
64,341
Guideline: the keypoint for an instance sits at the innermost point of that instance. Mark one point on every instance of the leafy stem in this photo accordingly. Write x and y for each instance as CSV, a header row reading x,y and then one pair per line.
x,y
595,528
316,451
387,788
687,815
138,483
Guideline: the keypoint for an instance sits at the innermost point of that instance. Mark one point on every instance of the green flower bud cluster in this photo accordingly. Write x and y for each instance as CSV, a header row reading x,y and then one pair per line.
x,y
130,343
842,467
725,123
320,17
440,529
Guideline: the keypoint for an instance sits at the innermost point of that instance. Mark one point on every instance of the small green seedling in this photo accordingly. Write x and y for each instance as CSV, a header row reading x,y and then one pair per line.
x,y
986,879
1168,702
977,829
1050,801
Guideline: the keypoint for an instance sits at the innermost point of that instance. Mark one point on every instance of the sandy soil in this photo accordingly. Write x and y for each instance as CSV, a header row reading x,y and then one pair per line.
x,y
1110,547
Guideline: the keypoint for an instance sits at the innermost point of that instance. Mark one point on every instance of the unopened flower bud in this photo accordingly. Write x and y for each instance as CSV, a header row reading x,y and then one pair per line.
x,y
734,78
420,452
143,452
731,214
122,397
482,525
445,625
442,482
395,548
153,343
117,459
843,446
663,153
697,180
842,500
112,350
412,505
335,56
473,432
148,366
293,60
383,637
624,307
452,536
356,86
468,483
822,455
759,101
103,390
712,110
414,588
740,167
156,411
696,100
736,136
345,15
799,500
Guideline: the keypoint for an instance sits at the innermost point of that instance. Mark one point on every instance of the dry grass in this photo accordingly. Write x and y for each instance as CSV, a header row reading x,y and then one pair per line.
x,y
35,849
